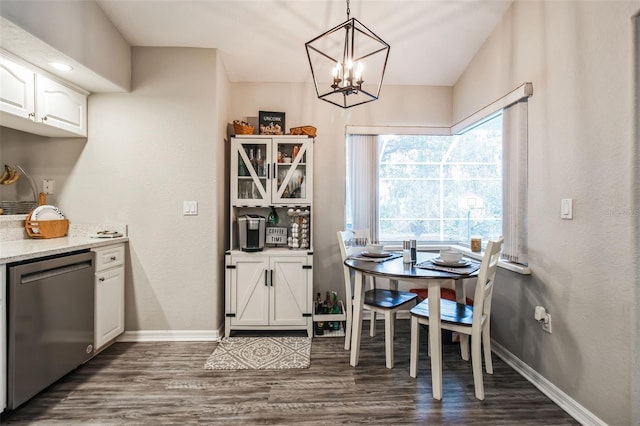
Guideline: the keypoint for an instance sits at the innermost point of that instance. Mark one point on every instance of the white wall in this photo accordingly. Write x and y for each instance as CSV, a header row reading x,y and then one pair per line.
x,y
148,151
581,145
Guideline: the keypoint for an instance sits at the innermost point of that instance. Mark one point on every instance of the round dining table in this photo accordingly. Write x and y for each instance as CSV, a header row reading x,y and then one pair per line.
x,y
396,270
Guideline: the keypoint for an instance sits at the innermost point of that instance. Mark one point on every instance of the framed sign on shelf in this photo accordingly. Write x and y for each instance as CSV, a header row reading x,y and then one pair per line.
x,y
271,123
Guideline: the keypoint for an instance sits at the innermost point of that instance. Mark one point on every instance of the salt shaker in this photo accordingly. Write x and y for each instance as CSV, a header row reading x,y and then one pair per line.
x,y
406,252
413,249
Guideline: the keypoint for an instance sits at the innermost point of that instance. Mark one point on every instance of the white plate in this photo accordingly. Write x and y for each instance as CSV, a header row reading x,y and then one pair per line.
x,y
459,264
383,254
47,213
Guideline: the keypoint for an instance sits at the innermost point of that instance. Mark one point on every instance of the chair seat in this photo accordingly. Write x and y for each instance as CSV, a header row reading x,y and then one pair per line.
x,y
450,311
388,299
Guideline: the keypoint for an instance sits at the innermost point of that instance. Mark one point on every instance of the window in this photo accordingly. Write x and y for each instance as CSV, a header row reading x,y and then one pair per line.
x,y
434,186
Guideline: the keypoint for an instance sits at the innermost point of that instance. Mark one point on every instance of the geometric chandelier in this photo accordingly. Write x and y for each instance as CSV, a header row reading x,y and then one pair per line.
x,y
348,63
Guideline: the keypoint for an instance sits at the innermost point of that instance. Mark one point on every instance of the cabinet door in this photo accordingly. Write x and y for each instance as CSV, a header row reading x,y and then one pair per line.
x,y
249,292
16,89
109,314
60,106
289,298
250,172
293,171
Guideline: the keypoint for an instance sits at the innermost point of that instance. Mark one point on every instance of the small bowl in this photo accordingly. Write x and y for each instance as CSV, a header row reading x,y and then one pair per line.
x,y
286,160
450,256
375,248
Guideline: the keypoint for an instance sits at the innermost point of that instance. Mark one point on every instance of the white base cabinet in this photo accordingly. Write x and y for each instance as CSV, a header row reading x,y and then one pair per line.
x,y
268,291
34,103
109,304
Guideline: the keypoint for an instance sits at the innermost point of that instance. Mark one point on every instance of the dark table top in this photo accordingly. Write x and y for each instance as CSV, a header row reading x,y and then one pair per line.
x,y
396,269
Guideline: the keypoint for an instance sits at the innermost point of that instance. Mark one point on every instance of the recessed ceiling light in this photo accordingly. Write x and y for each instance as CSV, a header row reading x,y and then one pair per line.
x,y
61,66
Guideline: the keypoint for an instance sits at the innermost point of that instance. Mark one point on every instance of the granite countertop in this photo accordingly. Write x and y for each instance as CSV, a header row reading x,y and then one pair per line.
x,y
15,251
16,246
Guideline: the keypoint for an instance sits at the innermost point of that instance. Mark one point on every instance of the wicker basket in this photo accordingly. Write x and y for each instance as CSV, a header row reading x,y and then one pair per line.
x,y
304,130
242,129
46,228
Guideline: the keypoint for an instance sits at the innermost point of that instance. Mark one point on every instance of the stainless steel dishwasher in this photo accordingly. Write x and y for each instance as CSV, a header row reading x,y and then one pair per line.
x,y
50,321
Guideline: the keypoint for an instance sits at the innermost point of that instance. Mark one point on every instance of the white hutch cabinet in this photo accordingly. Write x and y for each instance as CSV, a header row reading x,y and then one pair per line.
x,y
271,289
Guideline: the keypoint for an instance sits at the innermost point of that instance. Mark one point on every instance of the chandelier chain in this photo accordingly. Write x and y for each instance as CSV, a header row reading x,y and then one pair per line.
x,y
348,10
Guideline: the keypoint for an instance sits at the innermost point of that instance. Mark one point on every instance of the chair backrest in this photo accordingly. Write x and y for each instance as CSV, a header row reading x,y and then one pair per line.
x,y
486,278
351,242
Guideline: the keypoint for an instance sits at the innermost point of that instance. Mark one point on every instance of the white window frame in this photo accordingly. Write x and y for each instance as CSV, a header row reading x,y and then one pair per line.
x,y
514,156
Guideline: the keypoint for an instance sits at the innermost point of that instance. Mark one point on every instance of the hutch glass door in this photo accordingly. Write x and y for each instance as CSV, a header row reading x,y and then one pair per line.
x,y
251,161
292,167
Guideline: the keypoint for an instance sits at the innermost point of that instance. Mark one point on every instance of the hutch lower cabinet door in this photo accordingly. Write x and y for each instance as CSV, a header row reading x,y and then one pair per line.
x,y
269,292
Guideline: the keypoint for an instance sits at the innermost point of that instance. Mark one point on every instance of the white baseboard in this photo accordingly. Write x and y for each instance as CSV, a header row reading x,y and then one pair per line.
x,y
171,336
564,401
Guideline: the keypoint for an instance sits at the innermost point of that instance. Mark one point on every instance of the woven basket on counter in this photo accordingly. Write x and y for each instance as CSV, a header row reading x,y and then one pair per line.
x,y
46,228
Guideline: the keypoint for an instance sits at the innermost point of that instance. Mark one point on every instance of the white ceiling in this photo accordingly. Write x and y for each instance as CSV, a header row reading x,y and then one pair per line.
x,y
263,40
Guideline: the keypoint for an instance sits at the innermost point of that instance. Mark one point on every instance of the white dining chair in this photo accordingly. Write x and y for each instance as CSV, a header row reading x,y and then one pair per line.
x,y
382,301
469,321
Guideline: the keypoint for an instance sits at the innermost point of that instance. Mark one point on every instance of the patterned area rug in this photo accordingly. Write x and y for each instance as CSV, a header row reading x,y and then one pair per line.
x,y
260,353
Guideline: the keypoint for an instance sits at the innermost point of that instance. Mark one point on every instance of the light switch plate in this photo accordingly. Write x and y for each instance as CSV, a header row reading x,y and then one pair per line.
x,y
566,208
190,208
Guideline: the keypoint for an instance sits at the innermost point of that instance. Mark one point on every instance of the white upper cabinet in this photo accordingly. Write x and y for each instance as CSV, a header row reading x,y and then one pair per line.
x,y
17,94
37,104
60,107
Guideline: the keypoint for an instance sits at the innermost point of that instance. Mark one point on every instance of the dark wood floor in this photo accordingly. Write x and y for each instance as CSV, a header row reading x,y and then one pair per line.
x,y
165,383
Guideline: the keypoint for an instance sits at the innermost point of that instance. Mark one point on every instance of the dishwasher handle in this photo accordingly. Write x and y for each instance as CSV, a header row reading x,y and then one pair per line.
x,y
54,272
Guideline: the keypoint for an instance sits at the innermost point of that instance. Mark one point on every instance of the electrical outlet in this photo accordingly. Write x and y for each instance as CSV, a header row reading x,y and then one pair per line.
x,y
546,325
47,186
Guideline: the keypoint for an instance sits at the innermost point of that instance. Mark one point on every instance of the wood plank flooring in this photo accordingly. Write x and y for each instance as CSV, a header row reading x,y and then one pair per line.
x,y
165,383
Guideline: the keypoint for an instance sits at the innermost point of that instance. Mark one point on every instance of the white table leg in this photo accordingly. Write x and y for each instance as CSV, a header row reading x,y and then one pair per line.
x,y
435,338
356,325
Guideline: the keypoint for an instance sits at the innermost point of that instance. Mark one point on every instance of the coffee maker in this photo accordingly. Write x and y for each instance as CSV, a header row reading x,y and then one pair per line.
x,y
251,232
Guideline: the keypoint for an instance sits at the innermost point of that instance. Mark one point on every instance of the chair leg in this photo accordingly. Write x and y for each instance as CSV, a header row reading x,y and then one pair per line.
x,y
348,324
486,346
476,362
464,346
389,333
415,344
372,324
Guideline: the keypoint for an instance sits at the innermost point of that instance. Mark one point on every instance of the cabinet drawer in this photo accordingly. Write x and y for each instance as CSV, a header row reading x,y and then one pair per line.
x,y
109,257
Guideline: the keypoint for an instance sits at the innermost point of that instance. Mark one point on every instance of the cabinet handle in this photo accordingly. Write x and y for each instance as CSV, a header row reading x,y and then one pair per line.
x,y
101,279
44,118
32,115
112,258
272,278
268,172
266,279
